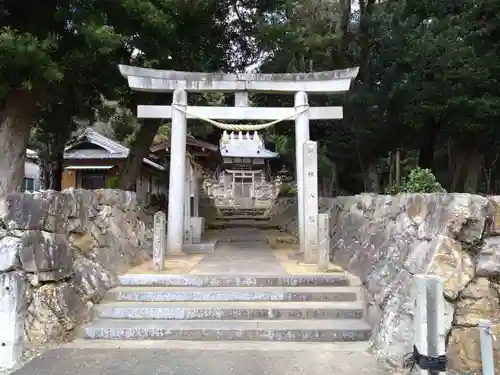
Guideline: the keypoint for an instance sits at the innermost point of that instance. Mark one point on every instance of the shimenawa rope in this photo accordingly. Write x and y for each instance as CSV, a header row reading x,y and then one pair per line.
x,y
239,127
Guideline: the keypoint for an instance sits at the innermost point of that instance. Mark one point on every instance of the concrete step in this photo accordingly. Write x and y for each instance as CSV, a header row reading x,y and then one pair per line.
x,y
171,294
240,219
229,310
240,330
267,346
260,223
334,279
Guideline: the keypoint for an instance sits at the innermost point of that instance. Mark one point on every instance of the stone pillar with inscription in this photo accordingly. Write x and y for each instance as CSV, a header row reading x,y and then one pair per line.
x,y
310,200
196,194
159,241
187,203
323,242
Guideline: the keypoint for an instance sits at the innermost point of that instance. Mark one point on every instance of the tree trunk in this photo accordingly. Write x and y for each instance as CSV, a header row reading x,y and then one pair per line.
x,y
457,171
398,168
365,10
52,165
15,124
138,151
427,144
372,180
390,163
57,171
56,128
345,17
44,172
51,170
55,160
474,166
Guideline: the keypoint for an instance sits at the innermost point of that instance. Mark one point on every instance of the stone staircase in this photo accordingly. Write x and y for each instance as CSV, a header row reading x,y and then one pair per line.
x,y
301,308
243,218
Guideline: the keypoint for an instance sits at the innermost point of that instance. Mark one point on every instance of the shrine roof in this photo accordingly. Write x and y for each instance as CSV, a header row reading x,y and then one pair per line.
x,y
244,145
104,148
190,141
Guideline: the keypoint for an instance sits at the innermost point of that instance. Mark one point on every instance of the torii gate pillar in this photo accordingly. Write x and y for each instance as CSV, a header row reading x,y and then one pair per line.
x,y
177,184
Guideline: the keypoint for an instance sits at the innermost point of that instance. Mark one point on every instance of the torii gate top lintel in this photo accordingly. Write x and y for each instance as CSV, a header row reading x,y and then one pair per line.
x,y
157,80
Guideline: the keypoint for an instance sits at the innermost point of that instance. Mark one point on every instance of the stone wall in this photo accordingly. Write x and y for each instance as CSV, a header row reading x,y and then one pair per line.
x,y
385,240
64,250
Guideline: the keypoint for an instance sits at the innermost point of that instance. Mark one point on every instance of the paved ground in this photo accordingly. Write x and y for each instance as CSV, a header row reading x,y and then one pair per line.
x,y
246,254
242,359
239,251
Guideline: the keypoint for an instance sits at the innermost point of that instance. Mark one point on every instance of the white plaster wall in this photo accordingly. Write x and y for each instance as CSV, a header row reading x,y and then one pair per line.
x,y
32,170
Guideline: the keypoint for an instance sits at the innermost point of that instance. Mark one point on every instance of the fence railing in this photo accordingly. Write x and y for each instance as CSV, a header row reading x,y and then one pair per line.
x,y
429,350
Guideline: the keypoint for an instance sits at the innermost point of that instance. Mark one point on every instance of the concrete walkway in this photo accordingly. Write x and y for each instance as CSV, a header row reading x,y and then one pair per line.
x,y
246,254
187,358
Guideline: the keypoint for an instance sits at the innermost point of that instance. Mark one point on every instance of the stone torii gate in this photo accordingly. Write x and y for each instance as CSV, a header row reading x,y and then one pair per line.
x,y
180,83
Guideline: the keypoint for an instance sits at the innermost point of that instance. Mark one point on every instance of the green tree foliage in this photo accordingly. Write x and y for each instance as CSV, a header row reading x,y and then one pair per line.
x,y
428,85
59,59
418,181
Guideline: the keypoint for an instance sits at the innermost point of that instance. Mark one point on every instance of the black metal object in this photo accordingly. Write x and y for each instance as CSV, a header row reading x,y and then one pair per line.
x,y
425,362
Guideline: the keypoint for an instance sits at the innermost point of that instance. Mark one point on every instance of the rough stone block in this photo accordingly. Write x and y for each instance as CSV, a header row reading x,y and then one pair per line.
x,y
479,300
92,280
10,248
453,265
22,211
46,254
84,243
468,216
464,353
54,311
394,338
494,224
124,200
59,205
488,259
85,206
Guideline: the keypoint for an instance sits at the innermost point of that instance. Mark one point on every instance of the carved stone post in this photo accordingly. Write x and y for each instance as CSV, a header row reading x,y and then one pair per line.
x,y
310,202
323,242
187,203
159,241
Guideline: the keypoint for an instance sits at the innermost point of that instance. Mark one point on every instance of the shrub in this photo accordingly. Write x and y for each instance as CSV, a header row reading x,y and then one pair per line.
x,y
418,181
287,191
112,182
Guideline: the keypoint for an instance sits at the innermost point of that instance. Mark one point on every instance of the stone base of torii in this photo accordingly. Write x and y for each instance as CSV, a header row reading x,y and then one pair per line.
x,y
181,227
